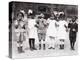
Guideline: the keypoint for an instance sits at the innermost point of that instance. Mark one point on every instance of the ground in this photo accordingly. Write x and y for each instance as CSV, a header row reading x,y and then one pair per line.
x,y
40,53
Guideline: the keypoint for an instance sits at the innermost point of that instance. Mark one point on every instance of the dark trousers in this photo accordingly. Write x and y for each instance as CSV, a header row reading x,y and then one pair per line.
x,y
32,43
72,41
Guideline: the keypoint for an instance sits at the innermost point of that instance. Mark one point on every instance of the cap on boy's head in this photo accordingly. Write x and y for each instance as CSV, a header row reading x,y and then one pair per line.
x,y
74,18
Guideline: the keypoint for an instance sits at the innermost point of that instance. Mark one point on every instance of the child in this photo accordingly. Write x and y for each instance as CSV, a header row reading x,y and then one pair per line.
x,y
32,33
41,25
51,33
20,30
62,31
73,27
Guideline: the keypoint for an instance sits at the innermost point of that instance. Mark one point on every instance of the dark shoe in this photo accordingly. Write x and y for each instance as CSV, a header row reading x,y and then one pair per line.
x,y
61,47
20,50
73,48
50,48
31,49
34,49
53,48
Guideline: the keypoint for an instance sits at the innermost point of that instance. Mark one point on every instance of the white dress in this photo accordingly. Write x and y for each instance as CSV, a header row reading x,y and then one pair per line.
x,y
61,34
32,30
51,31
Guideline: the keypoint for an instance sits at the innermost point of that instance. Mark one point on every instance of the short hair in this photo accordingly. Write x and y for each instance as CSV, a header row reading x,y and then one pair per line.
x,y
75,17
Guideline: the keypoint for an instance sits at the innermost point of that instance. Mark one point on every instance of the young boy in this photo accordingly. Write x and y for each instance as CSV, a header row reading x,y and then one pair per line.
x,y
41,25
73,27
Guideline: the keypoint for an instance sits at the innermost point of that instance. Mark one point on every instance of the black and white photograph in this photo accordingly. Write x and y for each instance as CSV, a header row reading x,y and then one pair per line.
x,y
42,29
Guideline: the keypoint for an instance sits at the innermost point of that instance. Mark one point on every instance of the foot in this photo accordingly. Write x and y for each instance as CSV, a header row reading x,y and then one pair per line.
x,y
34,49
50,48
22,51
39,46
31,49
61,46
73,49
53,48
43,48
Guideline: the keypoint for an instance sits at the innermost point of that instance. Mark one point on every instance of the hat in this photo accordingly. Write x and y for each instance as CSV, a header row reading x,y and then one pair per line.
x,y
30,11
74,17
55,13
61,13
42,15
22,11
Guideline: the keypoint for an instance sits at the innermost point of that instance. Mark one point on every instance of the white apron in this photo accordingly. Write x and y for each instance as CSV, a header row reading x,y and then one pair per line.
x,y
62,34
51,31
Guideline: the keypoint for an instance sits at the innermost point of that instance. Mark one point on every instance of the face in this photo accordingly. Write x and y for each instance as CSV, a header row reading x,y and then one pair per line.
x,y
55,13
20,16
73,20
57,19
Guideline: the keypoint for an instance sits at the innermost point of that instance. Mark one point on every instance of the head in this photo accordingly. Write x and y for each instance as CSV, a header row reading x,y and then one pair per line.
x,y
41,16
30,11
74,19
56,17
20,15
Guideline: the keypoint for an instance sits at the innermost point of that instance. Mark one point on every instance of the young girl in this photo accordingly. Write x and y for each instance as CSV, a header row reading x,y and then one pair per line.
x,y
51,33
62,32
20,30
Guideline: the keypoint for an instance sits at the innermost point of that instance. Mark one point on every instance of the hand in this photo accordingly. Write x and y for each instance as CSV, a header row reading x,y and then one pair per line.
x,y
36,26
74,30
